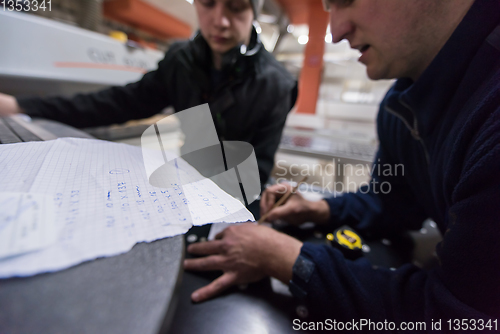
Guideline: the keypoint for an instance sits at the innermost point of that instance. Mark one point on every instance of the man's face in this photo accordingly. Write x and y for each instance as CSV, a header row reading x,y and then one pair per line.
x,y
224,23
395,37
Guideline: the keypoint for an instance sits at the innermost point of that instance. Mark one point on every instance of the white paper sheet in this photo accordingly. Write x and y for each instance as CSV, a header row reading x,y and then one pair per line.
x,y
104,203
27,223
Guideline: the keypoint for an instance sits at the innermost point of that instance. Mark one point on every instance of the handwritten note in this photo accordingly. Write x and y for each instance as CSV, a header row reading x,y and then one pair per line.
x,y
103,200
27,223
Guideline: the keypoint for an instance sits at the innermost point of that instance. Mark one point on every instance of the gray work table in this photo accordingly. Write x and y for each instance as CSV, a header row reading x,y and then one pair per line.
x,y
134,292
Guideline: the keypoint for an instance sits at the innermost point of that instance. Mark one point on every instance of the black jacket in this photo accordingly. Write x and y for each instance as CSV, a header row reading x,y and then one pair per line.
x,y
249,99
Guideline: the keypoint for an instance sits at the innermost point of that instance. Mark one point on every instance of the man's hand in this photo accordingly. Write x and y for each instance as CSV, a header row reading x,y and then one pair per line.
x,y
8,105
245,253
296,210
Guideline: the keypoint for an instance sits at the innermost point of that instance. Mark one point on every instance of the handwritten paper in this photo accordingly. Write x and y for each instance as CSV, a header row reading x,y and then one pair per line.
x,y
103,200
27,223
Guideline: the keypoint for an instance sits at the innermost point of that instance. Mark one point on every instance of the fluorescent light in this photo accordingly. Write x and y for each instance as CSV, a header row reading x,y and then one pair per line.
x,y
358,97
303,39
266,18
328,38
257,27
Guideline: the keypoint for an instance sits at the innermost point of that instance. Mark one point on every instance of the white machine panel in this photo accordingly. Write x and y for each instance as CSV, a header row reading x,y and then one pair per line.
x,y
42,56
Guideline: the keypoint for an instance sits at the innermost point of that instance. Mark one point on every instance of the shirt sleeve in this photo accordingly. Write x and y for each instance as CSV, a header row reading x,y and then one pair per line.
x,y
118,104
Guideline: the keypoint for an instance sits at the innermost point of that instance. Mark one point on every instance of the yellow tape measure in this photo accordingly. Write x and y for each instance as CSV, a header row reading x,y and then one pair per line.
x,y
349,239
346,239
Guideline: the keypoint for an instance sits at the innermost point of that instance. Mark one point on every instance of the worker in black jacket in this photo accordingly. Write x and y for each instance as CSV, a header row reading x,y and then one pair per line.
x,y
224,65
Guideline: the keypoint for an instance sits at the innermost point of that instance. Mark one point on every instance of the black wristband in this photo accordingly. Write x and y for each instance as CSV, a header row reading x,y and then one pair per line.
x,y
302,271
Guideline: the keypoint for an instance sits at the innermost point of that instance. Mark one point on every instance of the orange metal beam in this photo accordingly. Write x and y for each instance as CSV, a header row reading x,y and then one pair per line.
x,y
147,18
310,75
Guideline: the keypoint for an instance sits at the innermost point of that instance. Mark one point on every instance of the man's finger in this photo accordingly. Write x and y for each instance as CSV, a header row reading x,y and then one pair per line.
x,y
281,212
269,202
212,262
272,194
263,202
206,248
220,235
215,288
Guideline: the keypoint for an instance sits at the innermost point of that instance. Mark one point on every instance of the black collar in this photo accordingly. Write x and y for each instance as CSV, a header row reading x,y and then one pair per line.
x,y
236,61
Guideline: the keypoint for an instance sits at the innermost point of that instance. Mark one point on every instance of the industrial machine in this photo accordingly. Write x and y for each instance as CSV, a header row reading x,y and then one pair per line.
x,y
45,57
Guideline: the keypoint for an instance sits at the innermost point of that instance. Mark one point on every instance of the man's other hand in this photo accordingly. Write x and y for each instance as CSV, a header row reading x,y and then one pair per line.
x,y
296,210
245,253
8,105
